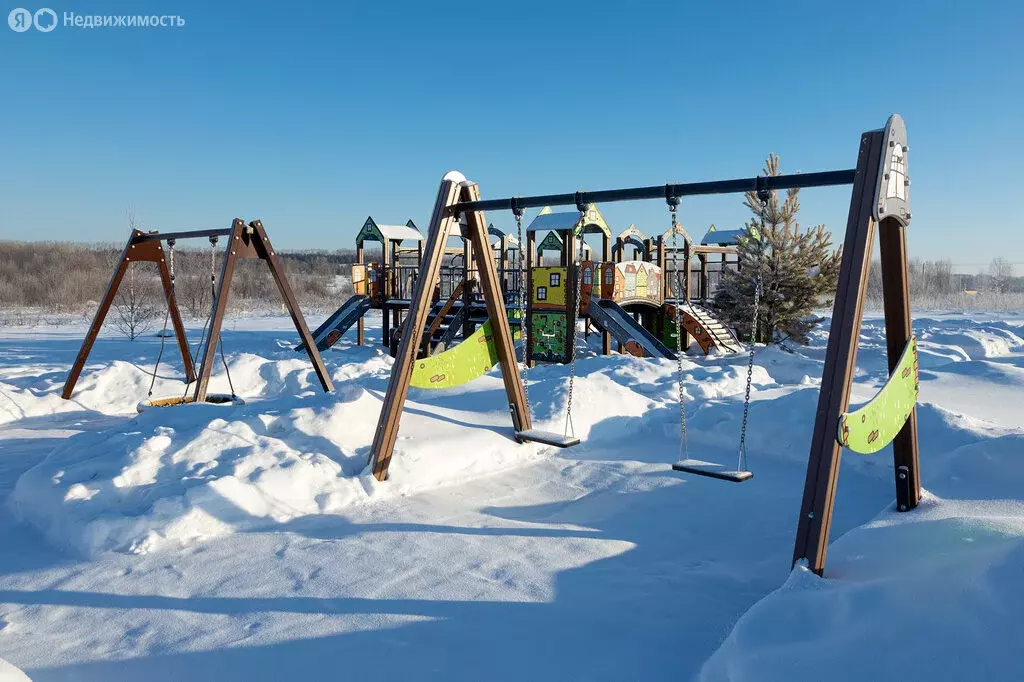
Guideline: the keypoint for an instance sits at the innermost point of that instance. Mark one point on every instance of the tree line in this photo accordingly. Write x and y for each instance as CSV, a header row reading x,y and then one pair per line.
x,y
66,278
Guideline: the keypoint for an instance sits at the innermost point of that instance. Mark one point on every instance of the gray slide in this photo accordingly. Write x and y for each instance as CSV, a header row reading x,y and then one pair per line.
x,y
337,324
609,317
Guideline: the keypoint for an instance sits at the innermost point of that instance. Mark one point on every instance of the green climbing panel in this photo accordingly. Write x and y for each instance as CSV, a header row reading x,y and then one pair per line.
x,y
668,332
873,426
548,331
459,364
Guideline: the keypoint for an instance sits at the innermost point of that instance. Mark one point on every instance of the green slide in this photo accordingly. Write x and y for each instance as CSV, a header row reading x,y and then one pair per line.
x,y
873,426
459,364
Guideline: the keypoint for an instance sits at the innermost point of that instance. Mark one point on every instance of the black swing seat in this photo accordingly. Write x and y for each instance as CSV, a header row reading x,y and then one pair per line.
x,y
557,440
712,470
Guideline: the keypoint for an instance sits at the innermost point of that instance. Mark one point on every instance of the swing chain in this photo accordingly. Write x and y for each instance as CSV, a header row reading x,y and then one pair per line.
x,y
763,196
167,315
673,207
570,428
524,327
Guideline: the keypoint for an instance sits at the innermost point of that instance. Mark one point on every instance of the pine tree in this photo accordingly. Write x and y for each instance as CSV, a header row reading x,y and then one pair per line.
x,y
799,270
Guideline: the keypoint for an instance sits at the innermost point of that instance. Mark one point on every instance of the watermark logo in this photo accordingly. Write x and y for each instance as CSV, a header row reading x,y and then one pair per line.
x,y
45,20
20,19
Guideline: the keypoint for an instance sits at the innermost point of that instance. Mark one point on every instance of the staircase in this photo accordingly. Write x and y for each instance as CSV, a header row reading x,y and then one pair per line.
x,y
719,333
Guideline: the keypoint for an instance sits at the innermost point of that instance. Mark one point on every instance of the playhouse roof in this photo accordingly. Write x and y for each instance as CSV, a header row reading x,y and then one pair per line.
x,y
716,237
374,232
512,242
556,222
632,231
401,232
563,221
553,242
678,230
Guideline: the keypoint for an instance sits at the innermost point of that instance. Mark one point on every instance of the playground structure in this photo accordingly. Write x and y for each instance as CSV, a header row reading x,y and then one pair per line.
x,y
387,286
879,200
243,241
631,301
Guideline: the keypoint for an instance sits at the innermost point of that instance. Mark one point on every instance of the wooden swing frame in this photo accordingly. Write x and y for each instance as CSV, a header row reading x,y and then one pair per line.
x,y
444,222
243,241
872,206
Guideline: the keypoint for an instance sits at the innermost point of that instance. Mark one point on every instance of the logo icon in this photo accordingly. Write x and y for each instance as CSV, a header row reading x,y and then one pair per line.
x,y
45,20
20,20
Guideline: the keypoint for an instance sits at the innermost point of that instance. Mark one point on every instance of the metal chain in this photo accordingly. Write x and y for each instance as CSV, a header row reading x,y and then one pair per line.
x,y
684,448
763,196
524,326
569,426
167,315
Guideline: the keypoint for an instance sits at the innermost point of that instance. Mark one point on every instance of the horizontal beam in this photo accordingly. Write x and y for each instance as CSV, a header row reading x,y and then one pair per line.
x,y
190,234
685,189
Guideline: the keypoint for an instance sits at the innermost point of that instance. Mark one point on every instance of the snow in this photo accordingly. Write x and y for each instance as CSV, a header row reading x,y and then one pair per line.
x,y
212,543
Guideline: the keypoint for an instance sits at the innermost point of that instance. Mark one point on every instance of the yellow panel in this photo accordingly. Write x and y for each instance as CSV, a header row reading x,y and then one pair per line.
x,y
555,294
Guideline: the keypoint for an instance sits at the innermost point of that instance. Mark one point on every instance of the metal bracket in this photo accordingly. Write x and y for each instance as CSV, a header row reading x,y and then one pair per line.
x,y
671,199
581,206
764,195
902,488
892,195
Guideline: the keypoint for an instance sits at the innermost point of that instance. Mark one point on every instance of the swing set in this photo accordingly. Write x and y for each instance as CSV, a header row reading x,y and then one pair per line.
x,y
244,241
879,199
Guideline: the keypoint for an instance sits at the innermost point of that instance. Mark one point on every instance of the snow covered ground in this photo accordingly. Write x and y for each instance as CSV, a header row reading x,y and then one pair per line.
x,y
211,543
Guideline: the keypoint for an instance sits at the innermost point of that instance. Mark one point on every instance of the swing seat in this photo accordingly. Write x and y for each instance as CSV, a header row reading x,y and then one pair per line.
x,y
225,399
711,470
557,440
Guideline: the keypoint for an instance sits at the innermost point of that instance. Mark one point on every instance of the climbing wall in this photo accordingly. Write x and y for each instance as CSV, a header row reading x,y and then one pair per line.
x,y
548,330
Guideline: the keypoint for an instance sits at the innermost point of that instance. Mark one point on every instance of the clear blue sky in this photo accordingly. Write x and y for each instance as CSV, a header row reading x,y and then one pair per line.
x,y
312,116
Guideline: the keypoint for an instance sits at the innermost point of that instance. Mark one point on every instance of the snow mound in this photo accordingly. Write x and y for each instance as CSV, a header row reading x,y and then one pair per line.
x,y
8,673
972,341
184,474
904,588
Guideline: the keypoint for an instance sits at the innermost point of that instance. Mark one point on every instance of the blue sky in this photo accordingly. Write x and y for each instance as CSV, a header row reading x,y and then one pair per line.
x,y
312,116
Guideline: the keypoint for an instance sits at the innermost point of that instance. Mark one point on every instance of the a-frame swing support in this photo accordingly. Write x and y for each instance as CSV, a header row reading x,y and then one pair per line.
x,y
444,220
879,199
137,249
243,241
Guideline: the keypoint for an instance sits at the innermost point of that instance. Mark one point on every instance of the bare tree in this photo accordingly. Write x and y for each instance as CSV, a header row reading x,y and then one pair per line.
x,y
135,308
1001,275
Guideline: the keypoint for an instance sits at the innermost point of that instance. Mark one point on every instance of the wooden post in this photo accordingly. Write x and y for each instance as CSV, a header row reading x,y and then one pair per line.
x,y
385,289
441,223
687,292
892,243
606,256
467,292
840,359
360,326
97,320
702,286
265,251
